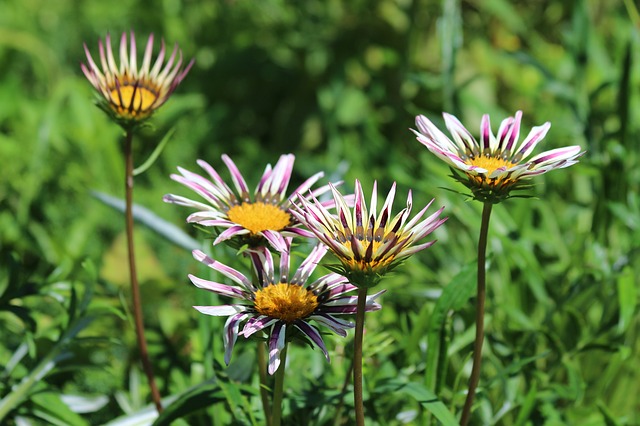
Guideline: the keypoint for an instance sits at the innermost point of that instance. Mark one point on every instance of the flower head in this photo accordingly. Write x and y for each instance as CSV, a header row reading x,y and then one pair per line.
x,y
130,94
367,244
283,307
495,166
251,220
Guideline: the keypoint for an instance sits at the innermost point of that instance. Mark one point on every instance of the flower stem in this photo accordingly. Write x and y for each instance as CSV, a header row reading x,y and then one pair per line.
x,y
135,288
262,373
278,389
357,357
482,284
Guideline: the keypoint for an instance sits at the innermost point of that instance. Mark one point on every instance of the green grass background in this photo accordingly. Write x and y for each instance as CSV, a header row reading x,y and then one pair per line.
x,y
338,83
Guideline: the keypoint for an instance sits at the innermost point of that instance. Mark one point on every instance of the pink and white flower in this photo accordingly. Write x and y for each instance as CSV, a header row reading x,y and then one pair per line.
x,y
131,94
367,243
280,304
497,164
250,219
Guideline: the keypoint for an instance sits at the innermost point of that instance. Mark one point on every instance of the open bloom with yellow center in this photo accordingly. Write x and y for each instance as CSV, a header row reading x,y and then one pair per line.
x,y
251,220
496,165
131,94
282,307
367,244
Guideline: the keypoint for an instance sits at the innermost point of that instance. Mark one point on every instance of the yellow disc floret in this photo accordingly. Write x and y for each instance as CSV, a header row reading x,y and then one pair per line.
x,y
131,100
371,264
288,302
490,164
258,217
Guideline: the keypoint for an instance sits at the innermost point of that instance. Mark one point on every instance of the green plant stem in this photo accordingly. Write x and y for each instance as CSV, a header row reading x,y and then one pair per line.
x,y
482,284
357,357
278,389
262,373
135,287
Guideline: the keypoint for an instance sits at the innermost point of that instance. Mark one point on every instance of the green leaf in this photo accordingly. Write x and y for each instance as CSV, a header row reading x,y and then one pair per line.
x,y
454,297
155,154
627,296
609,419
49,407
427,399
527,405
151,220
198,398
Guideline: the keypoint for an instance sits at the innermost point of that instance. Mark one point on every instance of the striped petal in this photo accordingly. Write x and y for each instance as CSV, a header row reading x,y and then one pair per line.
x,y
276,344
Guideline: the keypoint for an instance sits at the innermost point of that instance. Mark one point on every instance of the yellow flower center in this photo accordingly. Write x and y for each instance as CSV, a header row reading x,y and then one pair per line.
x,y
488,163
131,101
259,216
366,263
491,164
288,302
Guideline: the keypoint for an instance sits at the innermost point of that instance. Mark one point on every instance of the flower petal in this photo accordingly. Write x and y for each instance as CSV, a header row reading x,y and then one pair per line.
x,y
276,344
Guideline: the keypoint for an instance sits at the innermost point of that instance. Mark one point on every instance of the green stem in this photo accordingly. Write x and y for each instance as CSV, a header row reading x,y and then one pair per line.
x,y
357,357
482,284
264,388
278,389
135,287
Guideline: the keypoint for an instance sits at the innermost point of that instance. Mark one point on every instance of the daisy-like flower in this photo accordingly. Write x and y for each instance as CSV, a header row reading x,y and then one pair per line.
x,y
130,94
497,165
248,220
282,307
367,244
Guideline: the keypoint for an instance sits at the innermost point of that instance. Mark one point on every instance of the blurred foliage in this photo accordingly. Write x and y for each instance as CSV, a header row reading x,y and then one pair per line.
x,y
337,83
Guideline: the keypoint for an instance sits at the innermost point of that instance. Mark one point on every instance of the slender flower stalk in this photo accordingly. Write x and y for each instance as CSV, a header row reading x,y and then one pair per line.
x,y
491,169
368,245
262,376
130,95
135,287
357,358
474,379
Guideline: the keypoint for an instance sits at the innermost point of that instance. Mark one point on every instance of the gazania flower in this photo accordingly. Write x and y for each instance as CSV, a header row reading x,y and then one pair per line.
x,y
367,244
496,165
281,306
131,94
248,219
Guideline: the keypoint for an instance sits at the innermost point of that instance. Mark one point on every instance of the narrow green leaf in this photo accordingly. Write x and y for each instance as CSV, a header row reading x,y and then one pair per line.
x,y
527,405
50,407
627,296
151,220
198,398
155,154
427,399
609,419
454,297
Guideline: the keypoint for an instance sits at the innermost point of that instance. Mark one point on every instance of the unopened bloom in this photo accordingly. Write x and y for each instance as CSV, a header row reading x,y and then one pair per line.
x,y
130,94
497,165
249,219
282,306
367,243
